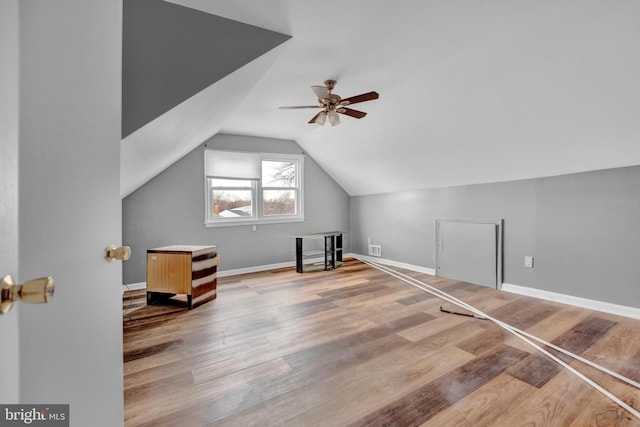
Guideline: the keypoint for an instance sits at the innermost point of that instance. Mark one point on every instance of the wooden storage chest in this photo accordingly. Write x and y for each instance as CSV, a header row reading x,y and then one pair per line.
x,y
182,269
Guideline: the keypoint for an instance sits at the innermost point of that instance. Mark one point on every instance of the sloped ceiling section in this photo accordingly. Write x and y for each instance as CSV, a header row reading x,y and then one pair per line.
x,y
184,72
470,91
171,52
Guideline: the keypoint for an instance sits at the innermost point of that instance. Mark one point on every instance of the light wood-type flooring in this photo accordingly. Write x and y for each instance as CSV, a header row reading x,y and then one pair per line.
x,y
357,347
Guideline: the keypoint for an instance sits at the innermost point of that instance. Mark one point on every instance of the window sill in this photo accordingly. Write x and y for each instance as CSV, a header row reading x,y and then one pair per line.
x,y
236,222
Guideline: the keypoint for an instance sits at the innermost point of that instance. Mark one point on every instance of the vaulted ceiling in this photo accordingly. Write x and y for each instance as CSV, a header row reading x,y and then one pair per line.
x,y
470,91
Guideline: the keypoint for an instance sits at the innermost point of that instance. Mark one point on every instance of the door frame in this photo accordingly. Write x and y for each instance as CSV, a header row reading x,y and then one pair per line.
x,y
9,186
499,254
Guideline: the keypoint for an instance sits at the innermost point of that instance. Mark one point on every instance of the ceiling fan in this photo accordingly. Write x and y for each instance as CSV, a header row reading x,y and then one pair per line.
x,y
332,104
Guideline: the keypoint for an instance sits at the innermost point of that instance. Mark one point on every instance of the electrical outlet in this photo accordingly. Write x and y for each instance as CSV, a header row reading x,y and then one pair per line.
x,y
528,261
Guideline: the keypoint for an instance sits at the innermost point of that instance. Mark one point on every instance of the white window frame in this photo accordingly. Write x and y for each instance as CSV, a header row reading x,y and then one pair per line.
x,y
257,195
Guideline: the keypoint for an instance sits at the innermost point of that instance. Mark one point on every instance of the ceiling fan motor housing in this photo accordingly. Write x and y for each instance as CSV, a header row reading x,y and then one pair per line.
x,y
330,84
333,99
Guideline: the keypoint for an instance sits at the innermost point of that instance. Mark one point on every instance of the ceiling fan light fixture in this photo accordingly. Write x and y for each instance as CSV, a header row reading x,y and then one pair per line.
x,y
332,104
322,117
333,118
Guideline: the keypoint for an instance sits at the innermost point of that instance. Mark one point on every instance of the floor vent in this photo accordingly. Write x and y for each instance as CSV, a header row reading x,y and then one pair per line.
x,y
375,250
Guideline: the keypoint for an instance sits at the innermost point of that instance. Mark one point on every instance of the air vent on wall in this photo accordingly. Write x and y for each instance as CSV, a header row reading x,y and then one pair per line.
x,y
375,250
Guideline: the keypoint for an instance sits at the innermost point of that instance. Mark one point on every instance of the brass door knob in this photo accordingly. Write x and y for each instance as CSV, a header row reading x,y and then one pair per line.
x,y
113,253
35,291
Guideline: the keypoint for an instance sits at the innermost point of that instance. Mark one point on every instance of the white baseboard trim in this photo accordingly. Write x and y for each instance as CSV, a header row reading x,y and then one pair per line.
x,y
234,272
255,269
607,307
392,263
133,286
265,267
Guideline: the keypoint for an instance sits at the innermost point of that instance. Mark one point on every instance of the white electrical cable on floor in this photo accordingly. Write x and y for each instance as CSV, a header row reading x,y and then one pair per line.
x,y
463,304
520,334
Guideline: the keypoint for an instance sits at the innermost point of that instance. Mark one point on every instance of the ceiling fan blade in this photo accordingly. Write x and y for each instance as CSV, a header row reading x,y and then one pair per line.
x,y
360,98
297,107
351,112
320,91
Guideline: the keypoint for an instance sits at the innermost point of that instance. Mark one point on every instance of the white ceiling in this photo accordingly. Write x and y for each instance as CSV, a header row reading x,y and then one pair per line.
x,y
470,91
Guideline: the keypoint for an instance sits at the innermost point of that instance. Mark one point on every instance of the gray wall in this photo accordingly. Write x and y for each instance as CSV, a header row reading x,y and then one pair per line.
x,y
171,52
583,229
170,210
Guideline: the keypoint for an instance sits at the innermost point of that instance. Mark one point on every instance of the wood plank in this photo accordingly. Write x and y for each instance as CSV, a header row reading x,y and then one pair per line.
x,y
361,386
538,369
479,408
558,402
423,404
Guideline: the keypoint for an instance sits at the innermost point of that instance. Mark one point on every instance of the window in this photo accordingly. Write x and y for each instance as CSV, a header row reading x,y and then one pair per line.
x,y
252,188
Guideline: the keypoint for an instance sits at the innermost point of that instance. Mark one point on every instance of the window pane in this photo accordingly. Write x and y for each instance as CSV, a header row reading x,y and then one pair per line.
x,y
231,203
279,173
279,202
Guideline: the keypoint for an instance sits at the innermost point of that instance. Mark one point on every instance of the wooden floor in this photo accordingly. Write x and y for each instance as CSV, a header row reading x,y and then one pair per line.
x,y
356,347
